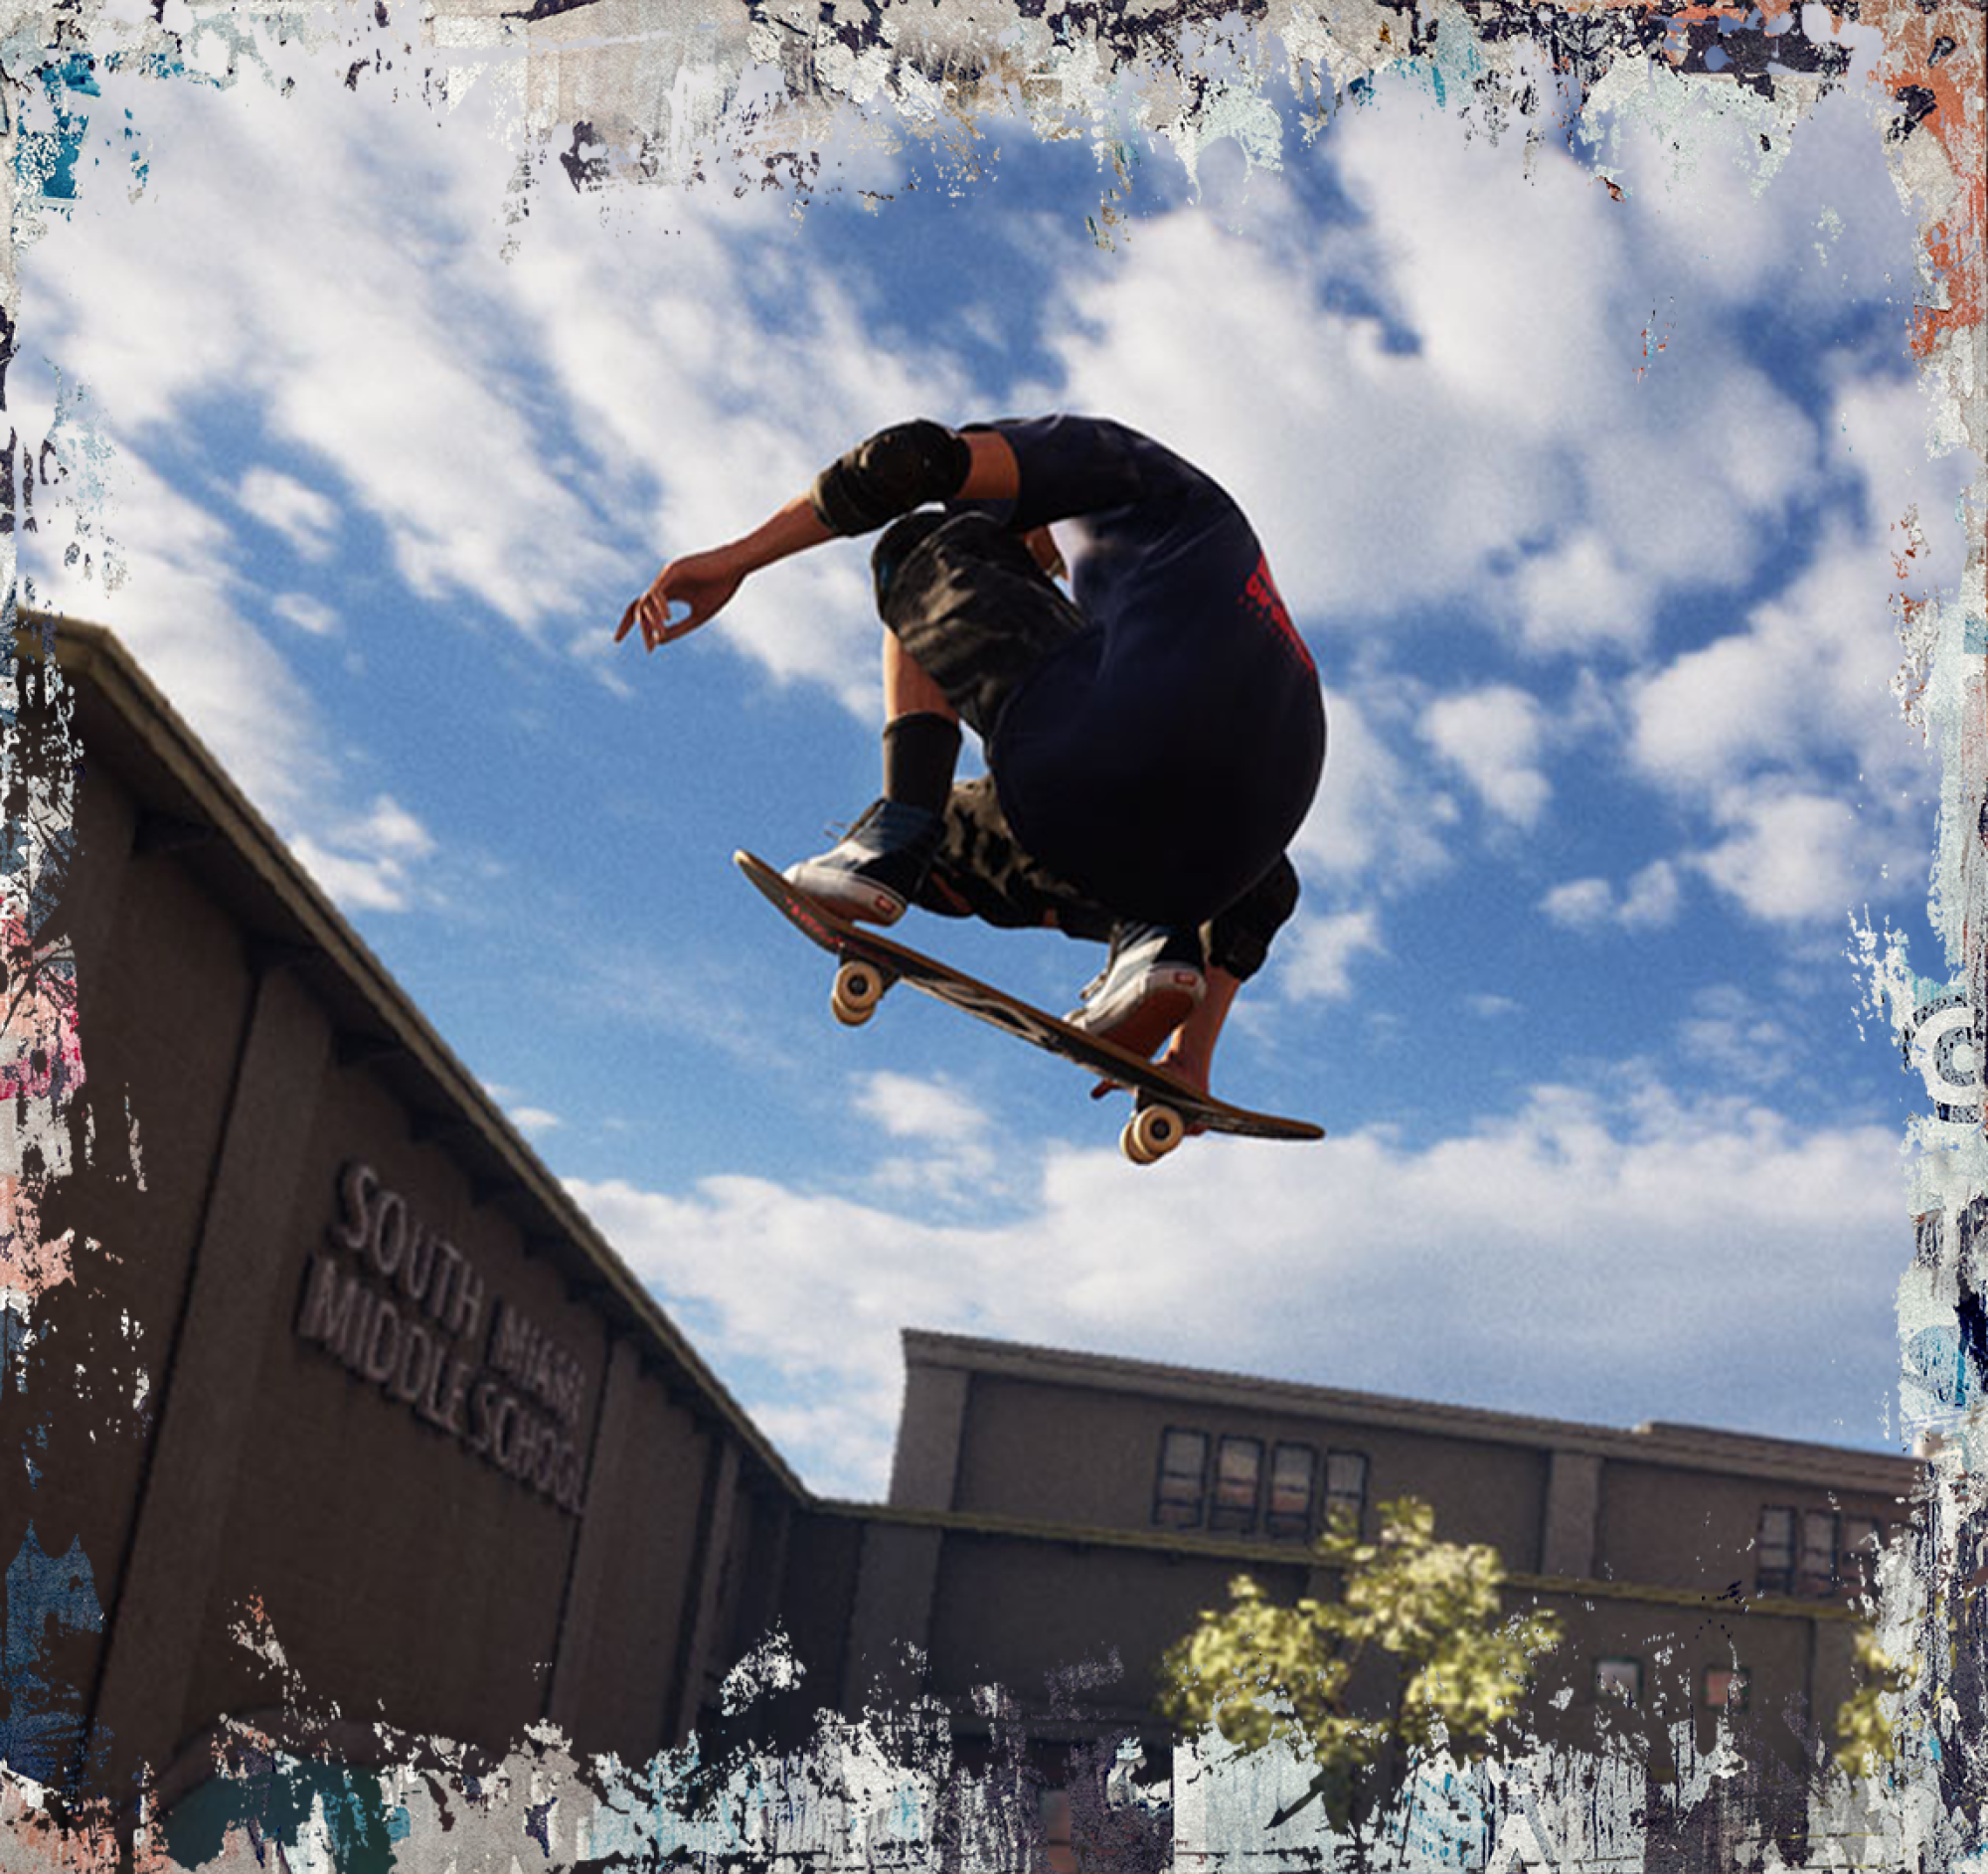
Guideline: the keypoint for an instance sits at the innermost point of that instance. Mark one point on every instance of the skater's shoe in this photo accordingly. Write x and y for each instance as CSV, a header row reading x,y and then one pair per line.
x,y
874,870
1153,979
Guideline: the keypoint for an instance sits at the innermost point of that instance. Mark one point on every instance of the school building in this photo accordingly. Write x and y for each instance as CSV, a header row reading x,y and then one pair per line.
x,y
339,1363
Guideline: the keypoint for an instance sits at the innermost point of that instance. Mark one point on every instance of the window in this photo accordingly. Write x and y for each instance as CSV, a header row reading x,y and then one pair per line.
x,y
1293,1486
1814,1552
1182,1486
1774,1553
1818,1552
1863,1538
1618,1678
1726,1687
1346,1485
1239,1468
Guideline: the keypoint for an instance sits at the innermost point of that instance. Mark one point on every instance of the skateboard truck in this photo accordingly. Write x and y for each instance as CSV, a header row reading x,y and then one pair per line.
x,y
1152,1131
859,987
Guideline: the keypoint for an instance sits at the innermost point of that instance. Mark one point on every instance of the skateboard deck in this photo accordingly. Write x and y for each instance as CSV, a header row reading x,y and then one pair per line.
x,y
1163,1110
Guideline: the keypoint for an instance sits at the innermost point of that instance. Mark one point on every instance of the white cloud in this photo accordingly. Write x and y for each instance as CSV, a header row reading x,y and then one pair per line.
x,y
355,882
177,611
1706,220
1515,462
390,827
1639,1240
1730,1031
1493,737
1580,904
368,862
311,616
1883,431
1755,730
1580,596
305,518
1315,954
1652,898
952,1137
1649,901
1807,677
908,1106
1376,819
1795,857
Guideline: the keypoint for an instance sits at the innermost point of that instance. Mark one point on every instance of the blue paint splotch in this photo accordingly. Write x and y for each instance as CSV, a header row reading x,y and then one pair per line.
x,y
50,1601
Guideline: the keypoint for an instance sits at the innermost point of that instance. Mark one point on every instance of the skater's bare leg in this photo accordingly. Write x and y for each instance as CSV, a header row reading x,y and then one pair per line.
x,y
1191,1053
907,689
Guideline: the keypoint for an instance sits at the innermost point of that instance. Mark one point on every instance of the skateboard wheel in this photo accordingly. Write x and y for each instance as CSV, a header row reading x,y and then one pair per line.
x,y
1155,1131
858,989
1130,1146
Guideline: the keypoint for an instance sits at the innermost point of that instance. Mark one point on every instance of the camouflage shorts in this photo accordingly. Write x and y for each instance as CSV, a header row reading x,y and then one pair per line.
x,y
982,871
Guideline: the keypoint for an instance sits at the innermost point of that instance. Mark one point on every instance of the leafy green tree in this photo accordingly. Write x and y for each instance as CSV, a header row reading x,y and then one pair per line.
x,y
1263,1673
1867,1722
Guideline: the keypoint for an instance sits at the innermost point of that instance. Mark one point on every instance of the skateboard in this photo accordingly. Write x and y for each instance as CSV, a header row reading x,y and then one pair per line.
x,y
1163,1110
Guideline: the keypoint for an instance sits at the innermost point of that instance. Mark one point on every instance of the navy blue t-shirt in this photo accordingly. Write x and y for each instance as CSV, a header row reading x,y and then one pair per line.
x,y
1163,758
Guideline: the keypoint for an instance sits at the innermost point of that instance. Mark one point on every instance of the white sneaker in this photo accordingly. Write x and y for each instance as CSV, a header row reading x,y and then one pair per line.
x,y
1153,979
876,868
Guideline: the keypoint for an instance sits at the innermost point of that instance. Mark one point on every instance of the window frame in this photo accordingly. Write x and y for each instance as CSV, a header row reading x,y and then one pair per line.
x,y
1235,1519
1739,1679
1332,1498
1606,1687
1857,1555
1816,1584
1780,1578
1196,1507
1288,1525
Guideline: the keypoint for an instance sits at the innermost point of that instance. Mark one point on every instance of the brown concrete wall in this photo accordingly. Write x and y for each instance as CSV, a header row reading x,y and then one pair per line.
x,y
1013,1611
269,1481
619,1652
1088,1457
164,994
816,1591
1019,1610
388,1555
1675,1646
1696,1529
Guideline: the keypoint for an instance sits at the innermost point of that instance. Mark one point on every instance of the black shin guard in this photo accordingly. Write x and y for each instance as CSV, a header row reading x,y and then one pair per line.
x,y
920,754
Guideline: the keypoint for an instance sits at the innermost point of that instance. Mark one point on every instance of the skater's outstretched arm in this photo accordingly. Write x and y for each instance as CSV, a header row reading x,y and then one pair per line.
x,y
706,582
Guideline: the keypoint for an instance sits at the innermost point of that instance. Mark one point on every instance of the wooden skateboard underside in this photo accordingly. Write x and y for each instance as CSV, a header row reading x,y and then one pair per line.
x,y
1162,1107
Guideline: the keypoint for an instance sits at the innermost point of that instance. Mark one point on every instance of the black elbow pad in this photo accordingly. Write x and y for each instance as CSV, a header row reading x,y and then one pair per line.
x,y
896,470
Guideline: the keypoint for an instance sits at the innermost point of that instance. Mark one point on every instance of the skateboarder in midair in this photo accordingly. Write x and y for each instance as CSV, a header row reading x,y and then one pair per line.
x,y
1153,739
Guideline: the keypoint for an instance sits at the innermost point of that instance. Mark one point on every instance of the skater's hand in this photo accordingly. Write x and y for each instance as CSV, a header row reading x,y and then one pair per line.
x,y
684,595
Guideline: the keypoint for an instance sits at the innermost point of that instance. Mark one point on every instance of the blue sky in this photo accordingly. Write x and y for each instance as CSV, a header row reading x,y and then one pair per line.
x,y
1588,507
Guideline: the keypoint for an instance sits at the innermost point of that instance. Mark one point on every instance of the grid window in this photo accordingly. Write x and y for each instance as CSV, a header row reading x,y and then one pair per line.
x,y
1818,1552
1346,1485
1863,1537
1726,1687
1182,1481
1293,1486
1239,1470
1618,1678
1774,1553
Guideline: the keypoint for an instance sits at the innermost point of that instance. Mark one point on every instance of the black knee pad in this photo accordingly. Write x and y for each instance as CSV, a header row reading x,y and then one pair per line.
x,y
896,544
